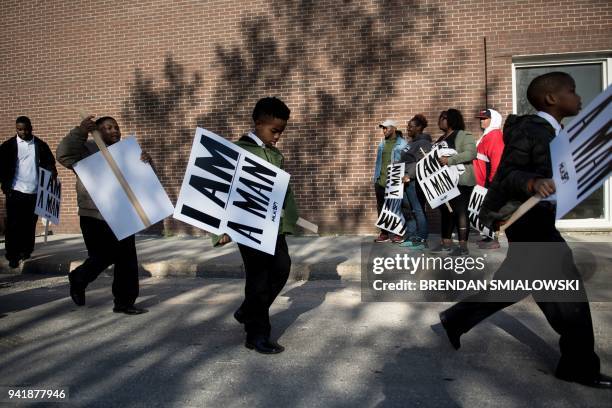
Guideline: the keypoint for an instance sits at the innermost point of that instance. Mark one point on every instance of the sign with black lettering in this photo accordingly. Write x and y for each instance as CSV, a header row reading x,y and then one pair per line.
x,y
48,196
439,183
394,187
391,217
476,200
582,154
229,190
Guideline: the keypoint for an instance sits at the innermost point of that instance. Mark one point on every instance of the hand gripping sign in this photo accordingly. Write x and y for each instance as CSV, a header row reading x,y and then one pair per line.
x,y
229,190
439,183
48,196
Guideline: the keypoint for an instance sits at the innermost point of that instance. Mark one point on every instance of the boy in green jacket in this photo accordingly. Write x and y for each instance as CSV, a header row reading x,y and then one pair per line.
x,y
266,274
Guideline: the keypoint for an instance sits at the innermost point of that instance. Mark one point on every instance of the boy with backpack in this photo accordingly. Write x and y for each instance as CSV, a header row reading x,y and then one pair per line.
x,y
526,170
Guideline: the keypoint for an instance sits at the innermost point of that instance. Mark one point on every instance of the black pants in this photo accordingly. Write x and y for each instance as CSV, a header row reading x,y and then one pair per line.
x,y
459,217
380,200
104,249
571,320
266,276
20,224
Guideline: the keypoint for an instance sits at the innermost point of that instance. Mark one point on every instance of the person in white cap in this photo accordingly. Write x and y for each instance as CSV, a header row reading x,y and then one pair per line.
x,y
389,151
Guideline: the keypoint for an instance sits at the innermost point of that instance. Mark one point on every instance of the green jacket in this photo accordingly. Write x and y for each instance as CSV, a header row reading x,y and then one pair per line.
x,y
466,153
274,156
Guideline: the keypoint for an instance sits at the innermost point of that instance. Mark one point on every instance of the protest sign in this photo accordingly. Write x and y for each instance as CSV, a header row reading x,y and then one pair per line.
x,y
394,187
229,190
391,217
119,206
476,200
439,183
582,154
48,196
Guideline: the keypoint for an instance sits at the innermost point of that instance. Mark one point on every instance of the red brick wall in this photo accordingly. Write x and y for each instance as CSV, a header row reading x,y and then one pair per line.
x,y
161,68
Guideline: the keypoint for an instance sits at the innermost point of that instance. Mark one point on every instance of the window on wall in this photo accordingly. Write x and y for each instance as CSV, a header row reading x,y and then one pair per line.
x,y
592,74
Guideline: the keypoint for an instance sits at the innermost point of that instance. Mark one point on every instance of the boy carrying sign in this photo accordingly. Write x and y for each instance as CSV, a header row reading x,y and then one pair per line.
x,y
526,170
103,248
266,274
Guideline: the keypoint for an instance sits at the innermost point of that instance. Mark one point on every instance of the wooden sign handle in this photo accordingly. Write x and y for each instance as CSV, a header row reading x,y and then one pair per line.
x,y
305,224
118,175
523,208
308,225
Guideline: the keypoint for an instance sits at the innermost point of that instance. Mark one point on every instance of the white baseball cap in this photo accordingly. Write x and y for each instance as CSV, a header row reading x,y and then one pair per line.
x,y
388,123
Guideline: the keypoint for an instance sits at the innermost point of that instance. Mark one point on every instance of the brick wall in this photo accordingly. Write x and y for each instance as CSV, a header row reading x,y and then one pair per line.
x,y
161,68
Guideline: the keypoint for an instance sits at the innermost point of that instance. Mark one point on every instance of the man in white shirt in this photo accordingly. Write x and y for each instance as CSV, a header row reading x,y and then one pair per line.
x,y
20,159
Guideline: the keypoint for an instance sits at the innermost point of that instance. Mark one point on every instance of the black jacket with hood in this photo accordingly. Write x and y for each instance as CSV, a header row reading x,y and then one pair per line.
x,y
526,156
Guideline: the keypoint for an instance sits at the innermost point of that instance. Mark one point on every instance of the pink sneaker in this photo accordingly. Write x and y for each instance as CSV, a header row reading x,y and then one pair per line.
x,y
382,237
397,239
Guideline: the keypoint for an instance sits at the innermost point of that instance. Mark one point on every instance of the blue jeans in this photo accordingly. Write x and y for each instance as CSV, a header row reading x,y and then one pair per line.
x,y
417,224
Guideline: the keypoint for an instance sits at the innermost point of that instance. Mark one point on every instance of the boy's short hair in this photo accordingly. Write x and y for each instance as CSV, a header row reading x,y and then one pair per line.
x,y
103,119
547,83
454,119
24,120
272,107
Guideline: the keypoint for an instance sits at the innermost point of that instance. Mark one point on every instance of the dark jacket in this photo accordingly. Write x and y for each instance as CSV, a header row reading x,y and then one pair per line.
x,y
526,156
73,148
8,160
412,153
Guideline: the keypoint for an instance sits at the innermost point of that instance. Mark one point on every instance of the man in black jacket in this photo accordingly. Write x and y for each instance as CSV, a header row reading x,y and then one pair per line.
x,y
536,247
21,156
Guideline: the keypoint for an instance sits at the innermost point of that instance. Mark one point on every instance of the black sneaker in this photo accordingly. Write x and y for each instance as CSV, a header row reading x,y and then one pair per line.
x,y
77,292
441,248
14,263
459,251
239,316
129,310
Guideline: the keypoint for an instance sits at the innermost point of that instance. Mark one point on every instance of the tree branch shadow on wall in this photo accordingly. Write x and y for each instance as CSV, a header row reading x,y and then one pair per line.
x,y
306,54
160,113
331,82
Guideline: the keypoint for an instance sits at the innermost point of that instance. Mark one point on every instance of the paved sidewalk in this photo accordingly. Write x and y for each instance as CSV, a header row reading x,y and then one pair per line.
x,y
327,257
340,352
